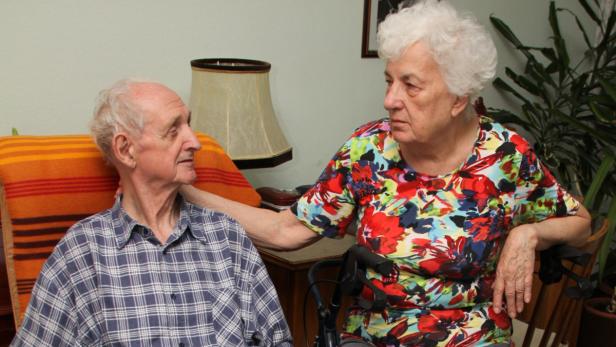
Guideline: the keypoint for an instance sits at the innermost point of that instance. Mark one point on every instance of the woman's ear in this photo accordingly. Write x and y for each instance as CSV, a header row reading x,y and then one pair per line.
x,y
459,105
122,147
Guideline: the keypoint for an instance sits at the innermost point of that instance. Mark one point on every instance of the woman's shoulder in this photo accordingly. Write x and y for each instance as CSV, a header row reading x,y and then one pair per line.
x,y
499,136
372,128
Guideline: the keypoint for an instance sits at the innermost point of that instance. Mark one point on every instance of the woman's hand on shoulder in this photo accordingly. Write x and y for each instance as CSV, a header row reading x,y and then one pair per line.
x,y
514,272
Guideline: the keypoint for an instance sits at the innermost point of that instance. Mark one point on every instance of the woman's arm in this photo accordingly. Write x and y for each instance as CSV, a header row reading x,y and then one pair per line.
x,y
266,228
514,272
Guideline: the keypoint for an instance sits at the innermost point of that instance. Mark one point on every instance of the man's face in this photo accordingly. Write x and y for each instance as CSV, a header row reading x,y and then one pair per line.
x,y
164,153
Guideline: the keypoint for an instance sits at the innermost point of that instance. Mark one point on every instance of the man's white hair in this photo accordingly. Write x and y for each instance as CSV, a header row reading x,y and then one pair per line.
x,y
115,110
462,48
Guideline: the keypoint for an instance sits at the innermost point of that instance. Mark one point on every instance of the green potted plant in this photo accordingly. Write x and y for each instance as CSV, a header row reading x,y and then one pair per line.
x,y
569,108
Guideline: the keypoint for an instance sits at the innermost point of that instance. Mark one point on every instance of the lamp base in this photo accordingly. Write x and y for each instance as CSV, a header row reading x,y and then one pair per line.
x,y
265,162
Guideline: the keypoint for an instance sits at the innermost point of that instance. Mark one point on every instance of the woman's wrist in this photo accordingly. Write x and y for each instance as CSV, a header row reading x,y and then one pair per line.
x,y
531,234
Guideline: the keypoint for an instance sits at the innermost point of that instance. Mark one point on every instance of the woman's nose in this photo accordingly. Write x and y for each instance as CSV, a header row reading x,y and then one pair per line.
x,y
392,98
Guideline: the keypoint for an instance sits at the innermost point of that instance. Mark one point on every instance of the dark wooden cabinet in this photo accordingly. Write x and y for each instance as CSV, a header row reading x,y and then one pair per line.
x,y
289,272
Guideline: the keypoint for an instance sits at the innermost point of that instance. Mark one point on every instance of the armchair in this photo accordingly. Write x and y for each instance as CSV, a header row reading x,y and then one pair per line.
x,y
47,183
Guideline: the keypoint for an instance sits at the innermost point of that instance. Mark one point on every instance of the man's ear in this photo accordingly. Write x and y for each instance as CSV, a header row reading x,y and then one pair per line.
x,y
459,105
122,147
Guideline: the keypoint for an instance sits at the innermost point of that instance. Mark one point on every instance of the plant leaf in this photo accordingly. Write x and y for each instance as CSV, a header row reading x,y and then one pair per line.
x,y
583,30
14,132
505,31
559,42
604,251
609,88
590,11
506,117
498,83
523,82
606,137
604,169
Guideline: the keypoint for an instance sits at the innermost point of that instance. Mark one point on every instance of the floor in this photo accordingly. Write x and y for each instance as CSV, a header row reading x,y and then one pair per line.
x,y
519,330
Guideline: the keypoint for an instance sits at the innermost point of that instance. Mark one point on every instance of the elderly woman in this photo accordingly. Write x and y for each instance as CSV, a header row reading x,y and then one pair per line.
x,y
437,189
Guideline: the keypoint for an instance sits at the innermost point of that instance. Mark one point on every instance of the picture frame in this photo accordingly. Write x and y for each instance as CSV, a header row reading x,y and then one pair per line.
x,y
375,12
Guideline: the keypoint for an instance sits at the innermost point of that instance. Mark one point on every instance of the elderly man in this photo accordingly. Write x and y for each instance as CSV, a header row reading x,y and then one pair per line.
x,y
154,270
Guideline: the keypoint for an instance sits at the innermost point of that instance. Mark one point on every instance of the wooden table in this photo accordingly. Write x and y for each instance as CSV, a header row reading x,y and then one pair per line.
x,y
289,272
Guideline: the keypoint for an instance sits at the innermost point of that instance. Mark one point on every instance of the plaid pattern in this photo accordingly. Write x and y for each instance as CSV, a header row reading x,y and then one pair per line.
x,y
110,282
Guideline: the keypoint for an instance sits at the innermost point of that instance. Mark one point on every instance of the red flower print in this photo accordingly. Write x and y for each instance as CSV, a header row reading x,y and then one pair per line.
x,y
482,189
501,320
380,232
480,228
362,173
521,144
438,323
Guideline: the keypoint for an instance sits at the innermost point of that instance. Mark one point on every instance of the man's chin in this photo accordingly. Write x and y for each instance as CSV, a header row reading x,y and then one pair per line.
x,y
187,179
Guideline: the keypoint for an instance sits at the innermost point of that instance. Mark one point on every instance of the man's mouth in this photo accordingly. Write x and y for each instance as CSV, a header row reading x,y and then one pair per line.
x,y
187,160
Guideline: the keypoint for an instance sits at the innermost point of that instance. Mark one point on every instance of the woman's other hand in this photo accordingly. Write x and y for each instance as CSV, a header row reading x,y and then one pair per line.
x,y
514,272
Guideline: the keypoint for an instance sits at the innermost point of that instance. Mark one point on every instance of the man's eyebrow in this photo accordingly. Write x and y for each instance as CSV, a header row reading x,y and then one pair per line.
x,y
172,122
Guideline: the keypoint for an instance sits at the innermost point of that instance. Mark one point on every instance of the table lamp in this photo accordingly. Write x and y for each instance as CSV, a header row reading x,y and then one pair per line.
x,y
231,101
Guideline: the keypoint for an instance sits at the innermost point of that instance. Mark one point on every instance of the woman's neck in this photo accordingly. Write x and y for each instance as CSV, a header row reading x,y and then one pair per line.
x,y
445,153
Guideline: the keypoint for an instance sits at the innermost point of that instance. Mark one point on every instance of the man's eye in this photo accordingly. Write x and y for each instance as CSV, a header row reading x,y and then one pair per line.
x,y
173,131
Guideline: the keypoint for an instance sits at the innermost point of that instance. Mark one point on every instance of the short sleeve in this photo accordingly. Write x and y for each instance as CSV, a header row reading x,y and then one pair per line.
x,y
51,315
538,195
329,207
260,308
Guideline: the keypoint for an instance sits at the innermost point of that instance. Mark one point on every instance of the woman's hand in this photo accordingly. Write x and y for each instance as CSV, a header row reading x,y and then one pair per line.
x,y
514,272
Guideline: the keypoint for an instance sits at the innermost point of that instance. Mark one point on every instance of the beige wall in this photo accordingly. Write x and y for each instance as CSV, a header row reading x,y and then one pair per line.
x,y
56,55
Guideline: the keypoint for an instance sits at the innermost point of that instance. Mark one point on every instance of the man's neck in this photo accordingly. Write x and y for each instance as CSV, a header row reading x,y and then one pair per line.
x,y
154,208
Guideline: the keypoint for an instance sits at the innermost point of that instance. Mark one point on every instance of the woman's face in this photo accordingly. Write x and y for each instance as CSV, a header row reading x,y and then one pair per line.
x,y
419,103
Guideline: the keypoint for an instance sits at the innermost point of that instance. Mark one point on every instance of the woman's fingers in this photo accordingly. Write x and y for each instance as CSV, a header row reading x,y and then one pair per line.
x,y
514,273
497,295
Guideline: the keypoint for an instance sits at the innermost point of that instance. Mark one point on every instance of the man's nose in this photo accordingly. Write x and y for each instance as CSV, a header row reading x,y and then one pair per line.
x,y
393,99
193,141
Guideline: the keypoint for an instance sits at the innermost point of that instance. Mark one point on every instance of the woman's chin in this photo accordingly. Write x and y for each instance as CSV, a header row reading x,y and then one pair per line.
x,y
402,136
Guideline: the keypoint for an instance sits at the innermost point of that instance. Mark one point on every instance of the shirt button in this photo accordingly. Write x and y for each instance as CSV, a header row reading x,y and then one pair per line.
x,y
181,344
172,296
146,233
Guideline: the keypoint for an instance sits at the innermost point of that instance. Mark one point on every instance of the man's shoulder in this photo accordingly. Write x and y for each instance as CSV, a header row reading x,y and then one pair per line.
x,y
211,221
92,229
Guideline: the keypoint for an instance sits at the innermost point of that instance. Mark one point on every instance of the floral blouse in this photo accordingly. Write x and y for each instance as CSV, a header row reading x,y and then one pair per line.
x,y
443,233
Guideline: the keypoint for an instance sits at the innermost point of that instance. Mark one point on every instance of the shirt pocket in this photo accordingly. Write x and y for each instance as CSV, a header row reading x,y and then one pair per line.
x,y
224,318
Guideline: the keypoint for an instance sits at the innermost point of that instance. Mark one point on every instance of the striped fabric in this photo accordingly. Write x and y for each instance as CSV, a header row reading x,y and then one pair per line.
x,y
47,183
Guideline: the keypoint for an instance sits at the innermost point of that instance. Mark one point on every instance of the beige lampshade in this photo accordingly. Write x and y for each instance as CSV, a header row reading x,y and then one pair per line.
x,y
230,101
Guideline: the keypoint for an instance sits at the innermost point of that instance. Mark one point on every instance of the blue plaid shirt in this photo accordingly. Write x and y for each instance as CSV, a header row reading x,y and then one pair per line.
x,y
110,282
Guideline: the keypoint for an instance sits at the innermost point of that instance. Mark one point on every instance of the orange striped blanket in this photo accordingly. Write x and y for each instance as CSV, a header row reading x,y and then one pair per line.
x,y
47,183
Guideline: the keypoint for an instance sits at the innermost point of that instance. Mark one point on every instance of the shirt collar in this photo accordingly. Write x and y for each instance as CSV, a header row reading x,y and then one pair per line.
x,y
124,224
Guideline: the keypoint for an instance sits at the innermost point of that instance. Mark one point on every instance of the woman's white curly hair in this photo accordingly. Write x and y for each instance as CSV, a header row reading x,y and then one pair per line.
x,y
461,47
